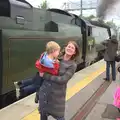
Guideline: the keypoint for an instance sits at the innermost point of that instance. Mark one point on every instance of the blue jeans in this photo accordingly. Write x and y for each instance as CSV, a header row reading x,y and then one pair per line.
x,y
27,86
32,85
112,63
45,117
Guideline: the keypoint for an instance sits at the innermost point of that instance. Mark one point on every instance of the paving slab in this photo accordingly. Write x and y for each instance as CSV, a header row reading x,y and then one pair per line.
x,y
104,109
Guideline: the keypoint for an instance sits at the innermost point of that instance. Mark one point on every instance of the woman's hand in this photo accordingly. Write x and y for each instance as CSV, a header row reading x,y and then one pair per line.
x,y
41,74
57,61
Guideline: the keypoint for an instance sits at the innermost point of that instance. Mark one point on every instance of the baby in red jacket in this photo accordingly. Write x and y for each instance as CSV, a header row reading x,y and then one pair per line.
x,y
47,63
48,60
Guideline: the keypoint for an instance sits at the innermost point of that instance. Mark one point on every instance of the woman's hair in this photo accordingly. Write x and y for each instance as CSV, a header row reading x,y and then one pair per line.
x,y
77,52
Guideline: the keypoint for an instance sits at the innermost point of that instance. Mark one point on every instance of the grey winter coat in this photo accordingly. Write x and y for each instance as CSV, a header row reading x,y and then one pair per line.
x,y
53,90
111,50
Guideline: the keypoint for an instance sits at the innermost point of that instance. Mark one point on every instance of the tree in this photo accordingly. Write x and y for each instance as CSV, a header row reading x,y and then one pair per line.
x,y
112,25
91,17
101,20
43,5
88,17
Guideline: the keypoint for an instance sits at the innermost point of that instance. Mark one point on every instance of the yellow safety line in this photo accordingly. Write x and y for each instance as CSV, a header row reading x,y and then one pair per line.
x,y
70,91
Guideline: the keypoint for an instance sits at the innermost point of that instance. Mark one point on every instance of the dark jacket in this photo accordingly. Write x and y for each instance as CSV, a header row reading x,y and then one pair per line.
x,y
111,49
53,90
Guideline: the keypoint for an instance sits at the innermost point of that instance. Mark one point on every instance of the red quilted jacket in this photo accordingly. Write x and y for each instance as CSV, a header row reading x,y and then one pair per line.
x,y
42,68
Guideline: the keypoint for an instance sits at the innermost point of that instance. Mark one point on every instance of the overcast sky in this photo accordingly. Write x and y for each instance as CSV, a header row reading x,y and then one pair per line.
x,y
113,13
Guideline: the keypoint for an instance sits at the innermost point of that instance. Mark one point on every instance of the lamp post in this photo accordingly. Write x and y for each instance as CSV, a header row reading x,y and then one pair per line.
x,y
81,5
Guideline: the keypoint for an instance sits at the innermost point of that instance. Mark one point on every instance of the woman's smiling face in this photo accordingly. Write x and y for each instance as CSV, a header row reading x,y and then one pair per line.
x,y
70,49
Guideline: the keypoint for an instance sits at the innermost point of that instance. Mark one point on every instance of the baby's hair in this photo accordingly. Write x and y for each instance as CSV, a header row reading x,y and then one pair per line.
x,y
52,46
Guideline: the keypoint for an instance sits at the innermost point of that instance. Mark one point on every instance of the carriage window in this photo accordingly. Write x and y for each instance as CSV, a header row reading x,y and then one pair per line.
x,y
89,31
78,22
73,21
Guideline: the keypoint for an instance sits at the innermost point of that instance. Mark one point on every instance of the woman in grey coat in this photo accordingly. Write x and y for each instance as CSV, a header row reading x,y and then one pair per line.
x,y
53,90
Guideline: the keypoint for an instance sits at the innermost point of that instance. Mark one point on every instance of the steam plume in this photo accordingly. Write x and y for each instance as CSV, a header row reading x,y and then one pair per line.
x,y
104,6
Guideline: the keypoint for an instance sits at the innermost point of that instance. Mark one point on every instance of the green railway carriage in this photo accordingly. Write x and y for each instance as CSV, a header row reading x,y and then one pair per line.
x,y
24,31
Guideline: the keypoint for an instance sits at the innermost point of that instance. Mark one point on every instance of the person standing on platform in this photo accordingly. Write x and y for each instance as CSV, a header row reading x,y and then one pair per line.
x,y
109,56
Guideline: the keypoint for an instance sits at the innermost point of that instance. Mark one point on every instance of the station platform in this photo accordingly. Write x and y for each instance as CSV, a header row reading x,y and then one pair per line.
x,y
104,109
81,87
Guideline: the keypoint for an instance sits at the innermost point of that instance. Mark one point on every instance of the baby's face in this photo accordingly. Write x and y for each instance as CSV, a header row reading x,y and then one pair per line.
x,y
56,53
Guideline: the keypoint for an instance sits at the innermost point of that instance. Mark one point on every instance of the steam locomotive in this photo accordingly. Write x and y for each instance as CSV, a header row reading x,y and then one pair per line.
x,y
25,30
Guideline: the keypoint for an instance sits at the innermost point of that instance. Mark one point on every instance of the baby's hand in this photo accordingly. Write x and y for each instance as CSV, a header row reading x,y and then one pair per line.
x,y
57,60
41,74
